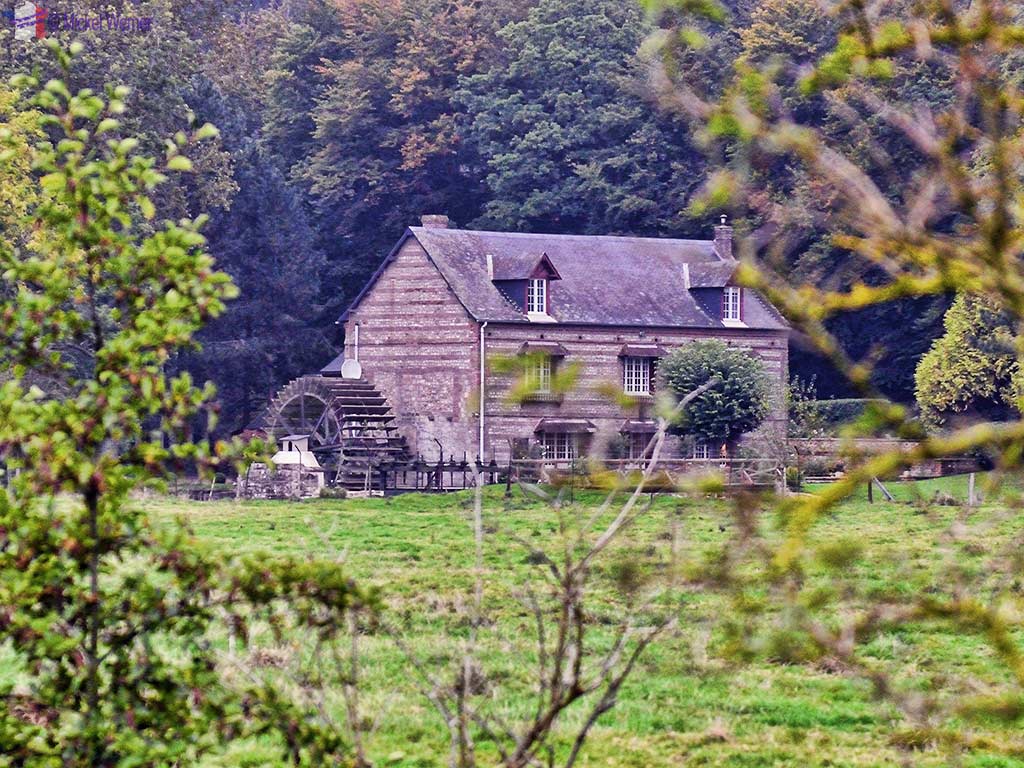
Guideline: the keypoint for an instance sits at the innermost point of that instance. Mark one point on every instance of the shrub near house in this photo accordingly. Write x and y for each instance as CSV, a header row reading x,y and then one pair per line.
x,y
737,403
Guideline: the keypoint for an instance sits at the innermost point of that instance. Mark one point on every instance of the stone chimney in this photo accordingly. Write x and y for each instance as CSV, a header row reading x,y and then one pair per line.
x,y
434,221
723,240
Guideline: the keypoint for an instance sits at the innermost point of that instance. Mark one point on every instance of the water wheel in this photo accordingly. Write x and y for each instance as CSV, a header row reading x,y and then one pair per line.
x,y
349,425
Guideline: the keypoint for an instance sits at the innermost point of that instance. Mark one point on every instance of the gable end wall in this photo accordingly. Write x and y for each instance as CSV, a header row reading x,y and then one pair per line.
x,y
418,345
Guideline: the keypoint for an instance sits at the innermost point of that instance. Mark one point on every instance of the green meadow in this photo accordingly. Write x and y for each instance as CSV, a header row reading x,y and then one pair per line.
x,y
685,704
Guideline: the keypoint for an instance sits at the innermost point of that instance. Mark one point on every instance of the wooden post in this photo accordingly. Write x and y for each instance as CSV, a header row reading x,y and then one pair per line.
x,y
883,489
871,496
971,501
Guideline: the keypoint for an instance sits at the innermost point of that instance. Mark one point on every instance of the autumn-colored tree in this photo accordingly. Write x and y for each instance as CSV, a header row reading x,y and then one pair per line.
x,y
21,129
361,112
786,31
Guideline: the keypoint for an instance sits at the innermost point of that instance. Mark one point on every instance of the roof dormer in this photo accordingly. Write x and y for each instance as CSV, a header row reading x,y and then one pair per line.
x,y
525,267
525,280
713,286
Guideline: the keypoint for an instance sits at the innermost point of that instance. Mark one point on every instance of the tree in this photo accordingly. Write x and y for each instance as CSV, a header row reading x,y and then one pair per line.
x,y
972,369
266,243
157,66
109,612
737,403
294,80
781,202
567,142
362,110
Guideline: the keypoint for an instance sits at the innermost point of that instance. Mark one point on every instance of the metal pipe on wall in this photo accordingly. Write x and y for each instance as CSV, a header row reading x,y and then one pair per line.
x,y
483,387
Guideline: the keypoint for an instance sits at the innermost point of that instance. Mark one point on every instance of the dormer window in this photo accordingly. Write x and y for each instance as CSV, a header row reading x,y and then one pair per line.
x,y
537,297
732,304
525,280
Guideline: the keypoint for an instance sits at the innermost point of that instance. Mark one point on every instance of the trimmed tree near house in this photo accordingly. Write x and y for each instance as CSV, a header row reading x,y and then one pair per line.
x,y
736,404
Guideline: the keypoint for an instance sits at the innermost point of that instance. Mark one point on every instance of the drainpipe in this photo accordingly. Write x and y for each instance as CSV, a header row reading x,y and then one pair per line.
x,y
356,344
483,388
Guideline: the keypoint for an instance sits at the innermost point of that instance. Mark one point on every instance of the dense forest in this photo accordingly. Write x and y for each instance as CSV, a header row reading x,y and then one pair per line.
x,y
342,121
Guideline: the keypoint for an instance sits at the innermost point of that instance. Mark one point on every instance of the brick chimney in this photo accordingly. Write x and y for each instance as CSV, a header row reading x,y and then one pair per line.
x,y
723,240
434,221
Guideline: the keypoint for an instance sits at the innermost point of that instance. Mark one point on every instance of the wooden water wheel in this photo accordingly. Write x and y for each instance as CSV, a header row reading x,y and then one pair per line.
x,y
349,424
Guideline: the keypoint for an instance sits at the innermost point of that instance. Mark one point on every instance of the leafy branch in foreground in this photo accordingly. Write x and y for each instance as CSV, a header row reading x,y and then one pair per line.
x,y
110,616
925,189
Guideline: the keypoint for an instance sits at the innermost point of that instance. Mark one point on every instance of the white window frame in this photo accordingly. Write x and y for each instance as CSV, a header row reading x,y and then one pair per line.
x,y
537,297
732,304
560,446
701,450
637,375
538,374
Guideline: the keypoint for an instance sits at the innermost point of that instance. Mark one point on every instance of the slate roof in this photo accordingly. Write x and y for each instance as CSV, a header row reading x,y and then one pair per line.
x,y
605,280
715,275
519,266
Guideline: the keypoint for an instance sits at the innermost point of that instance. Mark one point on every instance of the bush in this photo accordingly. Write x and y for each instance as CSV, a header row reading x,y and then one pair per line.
x,y
736,403
811,417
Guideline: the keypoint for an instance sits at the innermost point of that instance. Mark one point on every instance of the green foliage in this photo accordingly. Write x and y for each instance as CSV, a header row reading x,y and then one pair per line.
x,y
901,150
811,417
567,142
737,403
973,367
157,67
110,615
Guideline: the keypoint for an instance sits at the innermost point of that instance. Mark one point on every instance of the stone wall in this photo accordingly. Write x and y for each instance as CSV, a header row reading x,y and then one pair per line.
x,y
596,350
285,482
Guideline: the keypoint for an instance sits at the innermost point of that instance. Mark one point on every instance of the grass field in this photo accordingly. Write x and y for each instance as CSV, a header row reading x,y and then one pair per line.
x,y
684,705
